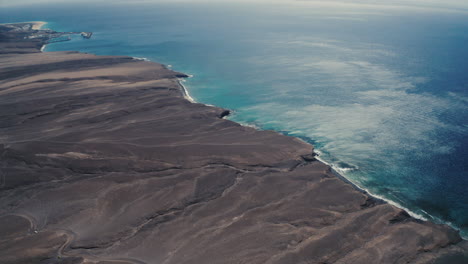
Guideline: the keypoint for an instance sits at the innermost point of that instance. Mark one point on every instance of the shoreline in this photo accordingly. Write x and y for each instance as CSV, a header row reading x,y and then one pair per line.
x,y
186,92
342,176
332,166
176,164
335,169
38,24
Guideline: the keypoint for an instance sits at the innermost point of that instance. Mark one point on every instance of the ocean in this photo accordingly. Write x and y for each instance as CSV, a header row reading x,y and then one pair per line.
x,y
380,91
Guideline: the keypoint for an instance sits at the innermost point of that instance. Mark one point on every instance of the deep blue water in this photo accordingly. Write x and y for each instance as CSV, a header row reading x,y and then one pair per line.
x,y
380,92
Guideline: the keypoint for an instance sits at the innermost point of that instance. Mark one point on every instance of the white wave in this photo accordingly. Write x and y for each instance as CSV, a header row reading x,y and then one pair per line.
x,y
185,91
249,125
342,170
380,119
141,58
342,173
187,94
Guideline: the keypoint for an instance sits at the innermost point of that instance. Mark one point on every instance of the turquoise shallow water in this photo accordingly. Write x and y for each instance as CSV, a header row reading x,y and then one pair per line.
x,y
381,92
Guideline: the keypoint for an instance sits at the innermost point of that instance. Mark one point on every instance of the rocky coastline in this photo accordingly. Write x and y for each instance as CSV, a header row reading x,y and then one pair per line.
x,y
104,160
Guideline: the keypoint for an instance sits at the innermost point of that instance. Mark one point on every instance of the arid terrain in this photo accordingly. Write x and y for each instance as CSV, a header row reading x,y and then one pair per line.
x,y
103,160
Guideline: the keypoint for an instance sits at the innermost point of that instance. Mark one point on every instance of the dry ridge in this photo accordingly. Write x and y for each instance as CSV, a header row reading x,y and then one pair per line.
x,y
104,161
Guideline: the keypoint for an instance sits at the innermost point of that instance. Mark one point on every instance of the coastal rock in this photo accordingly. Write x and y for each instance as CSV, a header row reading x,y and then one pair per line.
x,y
224,114
309,157
86,35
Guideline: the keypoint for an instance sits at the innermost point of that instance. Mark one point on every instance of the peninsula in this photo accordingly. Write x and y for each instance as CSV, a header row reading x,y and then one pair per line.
x,y
104,160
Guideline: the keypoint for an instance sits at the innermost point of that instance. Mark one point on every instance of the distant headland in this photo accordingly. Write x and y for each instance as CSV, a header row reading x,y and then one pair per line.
x,y
32,32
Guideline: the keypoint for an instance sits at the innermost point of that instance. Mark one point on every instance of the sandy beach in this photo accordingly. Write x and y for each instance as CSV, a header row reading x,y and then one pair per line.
x,y
106,160
38,25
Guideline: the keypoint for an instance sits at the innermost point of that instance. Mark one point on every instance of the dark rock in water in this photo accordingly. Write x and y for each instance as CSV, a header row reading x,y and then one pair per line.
x,y
86,35
103,160
181,75
224,113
